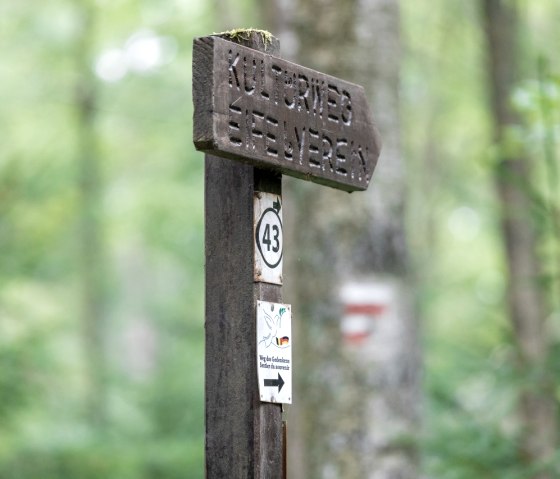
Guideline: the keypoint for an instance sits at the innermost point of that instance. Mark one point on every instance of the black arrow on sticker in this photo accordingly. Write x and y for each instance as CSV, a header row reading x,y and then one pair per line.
x,y
276,205
275,382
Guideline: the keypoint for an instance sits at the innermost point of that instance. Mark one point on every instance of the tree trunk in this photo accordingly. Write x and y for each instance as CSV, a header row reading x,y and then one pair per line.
x,y
356,406
537,408
91,244
381,258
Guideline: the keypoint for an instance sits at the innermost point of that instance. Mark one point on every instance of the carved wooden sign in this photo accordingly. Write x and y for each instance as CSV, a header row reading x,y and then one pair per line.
x,y
274,114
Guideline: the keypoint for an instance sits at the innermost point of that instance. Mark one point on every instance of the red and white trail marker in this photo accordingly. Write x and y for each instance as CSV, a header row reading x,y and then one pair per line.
x,y
364,304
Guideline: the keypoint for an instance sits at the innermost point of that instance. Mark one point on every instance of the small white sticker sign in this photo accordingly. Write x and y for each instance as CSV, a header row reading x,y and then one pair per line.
x,y
269,237
274,351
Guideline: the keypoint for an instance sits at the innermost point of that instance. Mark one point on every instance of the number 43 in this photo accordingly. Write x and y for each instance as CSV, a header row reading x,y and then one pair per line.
x,y
275,238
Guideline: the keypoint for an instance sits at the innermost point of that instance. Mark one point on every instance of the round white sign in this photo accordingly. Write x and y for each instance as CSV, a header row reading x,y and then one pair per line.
x,y
269,236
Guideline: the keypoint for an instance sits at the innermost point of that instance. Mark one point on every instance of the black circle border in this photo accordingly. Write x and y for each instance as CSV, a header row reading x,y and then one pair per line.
x,y
258,228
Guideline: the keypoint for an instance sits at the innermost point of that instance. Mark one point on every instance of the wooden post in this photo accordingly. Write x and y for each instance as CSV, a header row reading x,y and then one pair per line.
x,y
243,434
272,117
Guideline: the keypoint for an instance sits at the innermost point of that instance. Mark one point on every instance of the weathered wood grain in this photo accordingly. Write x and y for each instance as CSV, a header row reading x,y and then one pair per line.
x,y
243,435
259,109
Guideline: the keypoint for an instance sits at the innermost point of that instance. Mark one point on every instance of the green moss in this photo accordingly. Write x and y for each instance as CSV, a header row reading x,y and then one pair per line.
x,y
245,33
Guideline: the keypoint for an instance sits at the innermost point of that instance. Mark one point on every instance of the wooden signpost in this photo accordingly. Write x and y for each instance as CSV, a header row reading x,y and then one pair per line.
x,y
272,117
270,113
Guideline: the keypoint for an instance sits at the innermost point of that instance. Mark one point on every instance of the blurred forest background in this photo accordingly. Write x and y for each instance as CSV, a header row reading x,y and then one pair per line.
x,y
101,240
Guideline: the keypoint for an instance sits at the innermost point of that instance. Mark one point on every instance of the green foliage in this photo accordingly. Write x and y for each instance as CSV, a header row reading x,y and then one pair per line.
x,y
538,102
20,363
471,380
151,226
158,460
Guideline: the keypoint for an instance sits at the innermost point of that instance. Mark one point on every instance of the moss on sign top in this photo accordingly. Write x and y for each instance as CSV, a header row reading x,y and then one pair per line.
x,y
238,34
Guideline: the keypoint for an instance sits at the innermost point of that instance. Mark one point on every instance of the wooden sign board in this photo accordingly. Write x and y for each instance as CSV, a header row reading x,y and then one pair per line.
x,y
274,114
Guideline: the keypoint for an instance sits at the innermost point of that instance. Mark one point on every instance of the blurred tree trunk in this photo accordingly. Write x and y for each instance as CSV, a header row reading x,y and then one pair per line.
x,y
394,348
526,302
90,192
356,408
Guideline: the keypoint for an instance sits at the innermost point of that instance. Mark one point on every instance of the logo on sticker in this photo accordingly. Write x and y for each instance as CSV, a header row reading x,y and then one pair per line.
x,y
272,336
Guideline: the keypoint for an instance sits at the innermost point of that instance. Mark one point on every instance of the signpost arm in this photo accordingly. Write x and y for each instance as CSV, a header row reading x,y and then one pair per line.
x,y
243,435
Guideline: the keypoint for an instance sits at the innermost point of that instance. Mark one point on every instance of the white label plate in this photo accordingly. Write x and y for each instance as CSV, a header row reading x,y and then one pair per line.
x,y
269,237
274,351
